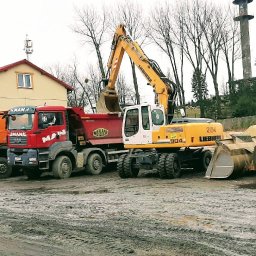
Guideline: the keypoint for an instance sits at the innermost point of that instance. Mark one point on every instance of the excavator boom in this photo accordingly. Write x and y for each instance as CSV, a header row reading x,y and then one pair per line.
x,y
164,88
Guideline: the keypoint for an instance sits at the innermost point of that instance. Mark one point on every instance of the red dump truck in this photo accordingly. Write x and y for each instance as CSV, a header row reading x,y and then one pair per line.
x,y
5,170
62,140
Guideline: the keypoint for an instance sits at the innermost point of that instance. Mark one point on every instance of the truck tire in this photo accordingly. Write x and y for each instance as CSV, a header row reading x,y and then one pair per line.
x,y
202,163
62,167
130,171
5,169
161,166
32,174
120,165
172,166
94,164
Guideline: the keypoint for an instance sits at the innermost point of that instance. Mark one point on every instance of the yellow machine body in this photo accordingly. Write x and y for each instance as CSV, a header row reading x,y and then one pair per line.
x,y
183,135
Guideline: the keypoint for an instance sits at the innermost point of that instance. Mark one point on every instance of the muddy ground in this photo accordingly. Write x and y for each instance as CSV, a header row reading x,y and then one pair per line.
x,y
106,215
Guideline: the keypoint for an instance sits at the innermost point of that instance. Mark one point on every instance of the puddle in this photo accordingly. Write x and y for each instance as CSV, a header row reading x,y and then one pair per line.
x,y
248,186
79,192
42,190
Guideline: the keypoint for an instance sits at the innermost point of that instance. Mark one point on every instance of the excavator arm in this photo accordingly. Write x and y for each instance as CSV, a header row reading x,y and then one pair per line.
x,y
165,90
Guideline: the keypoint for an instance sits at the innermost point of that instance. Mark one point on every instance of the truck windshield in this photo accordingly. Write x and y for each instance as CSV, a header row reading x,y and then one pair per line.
x,y
21,122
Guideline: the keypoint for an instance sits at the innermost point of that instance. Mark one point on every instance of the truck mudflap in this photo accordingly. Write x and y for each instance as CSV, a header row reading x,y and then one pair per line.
x,y
233,156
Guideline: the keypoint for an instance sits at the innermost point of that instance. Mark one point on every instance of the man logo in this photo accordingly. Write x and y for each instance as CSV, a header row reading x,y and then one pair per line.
x,y
100,132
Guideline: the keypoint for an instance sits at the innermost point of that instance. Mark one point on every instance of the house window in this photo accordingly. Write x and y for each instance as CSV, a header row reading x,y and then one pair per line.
x,y
24,81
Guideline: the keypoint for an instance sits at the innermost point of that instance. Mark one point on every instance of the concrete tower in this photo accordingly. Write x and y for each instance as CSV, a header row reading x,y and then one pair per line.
x,y
245,36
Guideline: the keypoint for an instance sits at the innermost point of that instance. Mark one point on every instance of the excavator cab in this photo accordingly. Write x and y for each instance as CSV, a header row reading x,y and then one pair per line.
x,y
140,121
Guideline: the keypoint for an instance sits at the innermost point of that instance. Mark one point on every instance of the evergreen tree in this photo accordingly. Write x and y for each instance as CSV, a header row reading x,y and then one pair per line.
x,y
199,89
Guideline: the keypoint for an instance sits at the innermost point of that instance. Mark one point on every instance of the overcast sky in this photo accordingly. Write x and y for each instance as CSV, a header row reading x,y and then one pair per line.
x,y
47,23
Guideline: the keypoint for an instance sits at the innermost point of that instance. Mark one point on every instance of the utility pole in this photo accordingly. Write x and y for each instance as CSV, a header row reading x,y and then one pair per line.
x,y
28,47
244,18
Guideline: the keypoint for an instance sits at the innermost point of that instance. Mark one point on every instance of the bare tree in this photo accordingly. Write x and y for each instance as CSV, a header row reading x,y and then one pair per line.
x,y
66,74
92,25
130,14
126,94
190,38
162,32
187,20
230,36
212,20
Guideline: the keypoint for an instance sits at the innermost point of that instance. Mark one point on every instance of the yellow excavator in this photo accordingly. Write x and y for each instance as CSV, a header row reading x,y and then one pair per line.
x,y
154,138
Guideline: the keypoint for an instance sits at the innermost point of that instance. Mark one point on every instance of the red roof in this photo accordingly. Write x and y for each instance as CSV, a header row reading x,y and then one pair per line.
x,y
43,72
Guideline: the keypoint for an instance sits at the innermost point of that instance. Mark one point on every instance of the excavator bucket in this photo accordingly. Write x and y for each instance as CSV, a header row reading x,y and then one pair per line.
x,y
233,156
108,102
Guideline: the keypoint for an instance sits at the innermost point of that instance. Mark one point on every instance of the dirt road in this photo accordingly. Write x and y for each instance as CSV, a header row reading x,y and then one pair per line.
x,y
106,215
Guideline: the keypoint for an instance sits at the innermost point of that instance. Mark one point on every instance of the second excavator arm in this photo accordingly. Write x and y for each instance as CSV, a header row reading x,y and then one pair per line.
x,y
165,90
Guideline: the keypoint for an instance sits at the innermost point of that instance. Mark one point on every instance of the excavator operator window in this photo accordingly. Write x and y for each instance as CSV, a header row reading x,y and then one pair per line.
x,y
145,118
157,117
131,122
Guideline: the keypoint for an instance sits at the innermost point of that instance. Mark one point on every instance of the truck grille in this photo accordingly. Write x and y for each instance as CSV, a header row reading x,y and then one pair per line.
x,y
18,140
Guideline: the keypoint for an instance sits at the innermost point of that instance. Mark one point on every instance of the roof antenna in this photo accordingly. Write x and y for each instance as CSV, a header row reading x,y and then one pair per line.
x,y
28,47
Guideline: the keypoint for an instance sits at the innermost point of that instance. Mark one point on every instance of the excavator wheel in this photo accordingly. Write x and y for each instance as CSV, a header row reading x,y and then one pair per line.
x,y
120,166
172,166
161,166
201,164
129,170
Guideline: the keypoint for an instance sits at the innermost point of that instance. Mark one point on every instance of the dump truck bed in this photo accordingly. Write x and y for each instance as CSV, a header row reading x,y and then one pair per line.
x,y
97,128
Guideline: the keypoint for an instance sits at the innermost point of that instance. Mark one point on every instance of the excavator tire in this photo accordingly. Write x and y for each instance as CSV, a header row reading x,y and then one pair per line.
x,y
120,166
162,165
172,166
128,168
201,164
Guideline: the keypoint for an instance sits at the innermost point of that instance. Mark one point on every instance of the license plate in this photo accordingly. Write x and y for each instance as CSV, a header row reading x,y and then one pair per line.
x,y
17,158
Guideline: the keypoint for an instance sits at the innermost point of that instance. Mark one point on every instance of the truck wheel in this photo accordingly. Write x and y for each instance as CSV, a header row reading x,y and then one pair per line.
x,y
204,161
172,166
5,169
62,167
94,164
130,171
32,174
161,166
120,166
